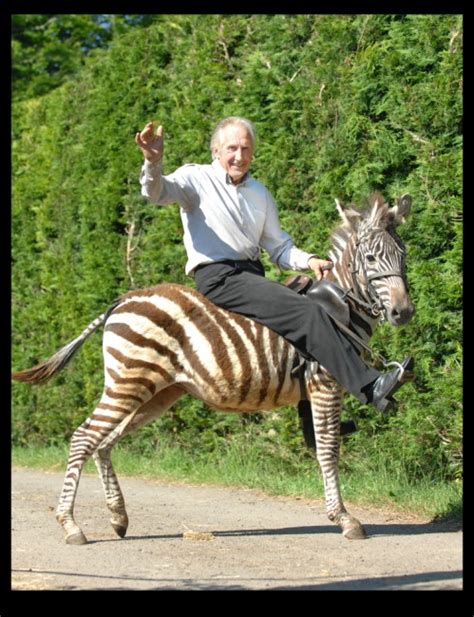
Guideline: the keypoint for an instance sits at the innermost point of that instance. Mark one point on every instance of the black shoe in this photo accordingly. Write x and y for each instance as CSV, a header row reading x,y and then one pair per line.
x,y
387,384
348,427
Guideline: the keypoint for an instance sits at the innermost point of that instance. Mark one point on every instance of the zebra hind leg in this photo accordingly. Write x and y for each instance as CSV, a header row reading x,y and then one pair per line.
x,y
105,419
83,443
144,415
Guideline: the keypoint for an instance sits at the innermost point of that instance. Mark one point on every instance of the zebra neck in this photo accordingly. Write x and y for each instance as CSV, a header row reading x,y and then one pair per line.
x,y
342,254
361,323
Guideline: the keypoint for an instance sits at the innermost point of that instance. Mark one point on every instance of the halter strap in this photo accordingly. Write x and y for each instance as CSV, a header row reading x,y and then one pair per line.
x,y
383,273
375,306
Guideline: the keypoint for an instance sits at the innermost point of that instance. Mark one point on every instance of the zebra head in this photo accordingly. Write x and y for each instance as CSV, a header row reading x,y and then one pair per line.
x,y
372,259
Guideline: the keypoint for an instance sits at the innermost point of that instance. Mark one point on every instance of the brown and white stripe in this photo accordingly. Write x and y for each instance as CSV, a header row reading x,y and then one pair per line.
x,y
172,334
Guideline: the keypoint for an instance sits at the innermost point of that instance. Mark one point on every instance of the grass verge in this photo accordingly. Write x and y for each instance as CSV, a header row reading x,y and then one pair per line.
x,y
243,466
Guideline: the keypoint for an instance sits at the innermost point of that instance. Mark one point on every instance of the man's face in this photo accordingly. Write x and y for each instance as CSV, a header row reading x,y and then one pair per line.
x,y
235,151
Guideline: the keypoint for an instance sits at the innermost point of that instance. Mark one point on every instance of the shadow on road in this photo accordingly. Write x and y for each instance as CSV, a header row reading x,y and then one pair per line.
x,y
395,529
425,580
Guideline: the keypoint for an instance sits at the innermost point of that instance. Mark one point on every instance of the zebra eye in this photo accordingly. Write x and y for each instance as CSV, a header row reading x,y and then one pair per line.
x,y
370,258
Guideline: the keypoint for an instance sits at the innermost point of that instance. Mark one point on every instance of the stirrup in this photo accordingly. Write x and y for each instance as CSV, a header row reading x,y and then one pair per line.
x,y
406,372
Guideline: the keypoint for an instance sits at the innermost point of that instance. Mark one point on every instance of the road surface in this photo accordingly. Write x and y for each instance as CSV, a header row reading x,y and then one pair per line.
x,y
188,537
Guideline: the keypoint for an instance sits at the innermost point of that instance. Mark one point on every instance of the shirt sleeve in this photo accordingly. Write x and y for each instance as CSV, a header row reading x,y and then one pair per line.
x,y
279,244
177,187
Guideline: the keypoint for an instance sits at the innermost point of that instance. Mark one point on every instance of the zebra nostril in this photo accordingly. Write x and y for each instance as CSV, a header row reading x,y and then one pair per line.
x,y
403,315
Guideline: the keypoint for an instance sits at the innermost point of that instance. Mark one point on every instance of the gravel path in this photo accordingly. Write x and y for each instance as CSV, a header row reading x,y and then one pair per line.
x,y
184,537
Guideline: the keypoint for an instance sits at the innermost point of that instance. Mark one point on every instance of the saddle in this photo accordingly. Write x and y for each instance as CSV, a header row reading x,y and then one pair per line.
x,y
332,299
325,293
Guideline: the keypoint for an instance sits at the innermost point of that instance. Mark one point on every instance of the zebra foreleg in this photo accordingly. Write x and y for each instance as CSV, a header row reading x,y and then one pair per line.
x,y
144,415
326,401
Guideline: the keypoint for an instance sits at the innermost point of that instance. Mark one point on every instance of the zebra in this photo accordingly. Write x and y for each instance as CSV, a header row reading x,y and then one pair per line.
x,y
168,340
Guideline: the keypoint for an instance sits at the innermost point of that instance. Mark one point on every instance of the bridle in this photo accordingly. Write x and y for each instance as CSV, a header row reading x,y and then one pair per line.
x,y
356,293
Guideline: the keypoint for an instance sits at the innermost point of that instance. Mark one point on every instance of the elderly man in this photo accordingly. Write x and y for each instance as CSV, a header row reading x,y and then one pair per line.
x,y
228,217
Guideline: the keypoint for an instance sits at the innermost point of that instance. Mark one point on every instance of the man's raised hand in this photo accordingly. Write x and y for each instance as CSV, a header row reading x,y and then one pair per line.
x,y
150,144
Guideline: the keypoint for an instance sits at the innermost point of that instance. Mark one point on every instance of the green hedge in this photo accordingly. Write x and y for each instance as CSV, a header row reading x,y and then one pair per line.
x,y
343,105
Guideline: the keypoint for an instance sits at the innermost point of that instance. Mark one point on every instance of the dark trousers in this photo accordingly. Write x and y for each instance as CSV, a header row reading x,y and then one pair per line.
x,y
241,286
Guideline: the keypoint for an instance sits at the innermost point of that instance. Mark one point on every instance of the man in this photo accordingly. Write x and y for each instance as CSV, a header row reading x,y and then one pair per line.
x,y
228,217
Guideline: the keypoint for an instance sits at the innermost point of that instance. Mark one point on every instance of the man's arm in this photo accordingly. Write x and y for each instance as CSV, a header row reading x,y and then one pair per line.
x,y
159,189
282,250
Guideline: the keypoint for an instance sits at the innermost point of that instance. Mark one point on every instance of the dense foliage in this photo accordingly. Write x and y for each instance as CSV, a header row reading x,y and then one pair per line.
x,y
343,105
47,49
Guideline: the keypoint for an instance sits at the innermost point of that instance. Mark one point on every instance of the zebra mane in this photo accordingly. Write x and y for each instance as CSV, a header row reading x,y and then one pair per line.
x,y
376,215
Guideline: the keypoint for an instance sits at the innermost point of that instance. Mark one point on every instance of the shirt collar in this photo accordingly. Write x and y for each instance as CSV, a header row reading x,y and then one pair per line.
x,y
224,176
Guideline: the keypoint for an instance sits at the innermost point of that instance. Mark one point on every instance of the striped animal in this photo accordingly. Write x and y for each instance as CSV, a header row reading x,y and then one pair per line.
x,y
162,342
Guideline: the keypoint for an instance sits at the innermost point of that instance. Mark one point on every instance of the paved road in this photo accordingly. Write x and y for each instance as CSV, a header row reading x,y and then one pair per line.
x,y
198,537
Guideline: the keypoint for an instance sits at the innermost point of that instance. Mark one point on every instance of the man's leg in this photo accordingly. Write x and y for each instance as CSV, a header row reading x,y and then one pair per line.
x,y
299,320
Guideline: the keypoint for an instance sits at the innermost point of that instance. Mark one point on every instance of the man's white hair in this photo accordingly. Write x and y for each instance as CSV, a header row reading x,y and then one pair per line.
x,y
216,138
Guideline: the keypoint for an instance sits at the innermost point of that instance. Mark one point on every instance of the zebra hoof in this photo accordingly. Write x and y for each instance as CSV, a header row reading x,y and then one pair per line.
x,y
120,523
76,539
120,530
355,532
351,528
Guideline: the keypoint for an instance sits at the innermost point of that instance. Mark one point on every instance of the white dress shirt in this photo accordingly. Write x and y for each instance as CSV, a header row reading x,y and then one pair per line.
x,y
221,220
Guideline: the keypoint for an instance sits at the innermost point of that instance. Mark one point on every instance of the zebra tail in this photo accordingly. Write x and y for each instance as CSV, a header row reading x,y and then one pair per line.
x,y
48,368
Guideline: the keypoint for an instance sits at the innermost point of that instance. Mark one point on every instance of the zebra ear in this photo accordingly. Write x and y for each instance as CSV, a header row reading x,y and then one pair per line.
x,y
378,211
349,216
401,210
